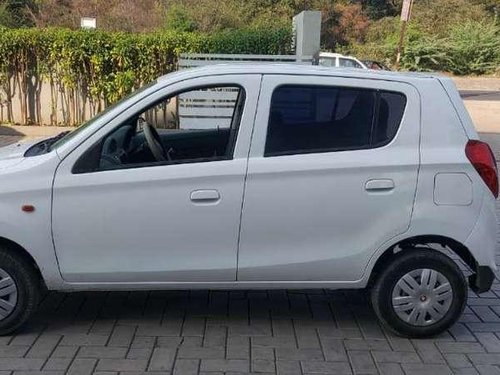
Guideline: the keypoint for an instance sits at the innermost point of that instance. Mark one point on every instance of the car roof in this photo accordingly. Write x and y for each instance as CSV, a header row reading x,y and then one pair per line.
x,y
332,54
294,69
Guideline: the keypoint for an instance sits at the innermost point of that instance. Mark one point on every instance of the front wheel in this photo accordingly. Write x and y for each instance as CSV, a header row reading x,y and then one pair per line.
x,y
19,291
421,293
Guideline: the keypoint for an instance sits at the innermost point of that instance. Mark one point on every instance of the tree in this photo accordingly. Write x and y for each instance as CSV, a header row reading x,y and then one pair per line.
x,y
179,19
438,19
492,6
15,13
5,17
53,13
377,9
112,15
352,24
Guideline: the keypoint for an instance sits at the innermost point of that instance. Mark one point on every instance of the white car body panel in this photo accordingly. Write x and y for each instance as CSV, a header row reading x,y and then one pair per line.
x,y
29,181
107,226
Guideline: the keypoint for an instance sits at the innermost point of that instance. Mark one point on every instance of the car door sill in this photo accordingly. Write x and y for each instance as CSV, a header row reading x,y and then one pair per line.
x,y
108,286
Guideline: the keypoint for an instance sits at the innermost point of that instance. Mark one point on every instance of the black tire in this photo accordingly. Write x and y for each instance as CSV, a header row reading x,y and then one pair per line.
x,y
27,282
408,260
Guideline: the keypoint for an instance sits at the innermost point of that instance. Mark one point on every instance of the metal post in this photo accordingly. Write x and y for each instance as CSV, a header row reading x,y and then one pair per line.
x,y
307,33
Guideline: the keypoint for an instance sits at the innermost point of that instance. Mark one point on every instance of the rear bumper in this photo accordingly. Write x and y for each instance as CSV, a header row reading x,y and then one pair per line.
x,y
482,243
481,281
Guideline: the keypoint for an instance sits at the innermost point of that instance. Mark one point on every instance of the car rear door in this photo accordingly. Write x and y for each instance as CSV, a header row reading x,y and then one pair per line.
x,y
326,185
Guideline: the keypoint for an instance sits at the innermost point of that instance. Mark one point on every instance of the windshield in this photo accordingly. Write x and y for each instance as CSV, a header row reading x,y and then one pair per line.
x,y
70,135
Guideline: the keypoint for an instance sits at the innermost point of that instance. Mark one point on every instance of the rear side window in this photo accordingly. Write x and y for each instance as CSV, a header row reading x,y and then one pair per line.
x,y
306,119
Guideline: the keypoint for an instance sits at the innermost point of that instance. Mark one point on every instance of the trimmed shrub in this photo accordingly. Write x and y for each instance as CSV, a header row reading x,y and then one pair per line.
x,y
95,68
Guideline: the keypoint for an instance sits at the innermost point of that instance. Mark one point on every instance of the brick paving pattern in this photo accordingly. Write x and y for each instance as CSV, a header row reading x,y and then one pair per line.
x,y
242,332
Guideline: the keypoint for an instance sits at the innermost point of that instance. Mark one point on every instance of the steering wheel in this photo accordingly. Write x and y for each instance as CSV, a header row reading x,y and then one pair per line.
x,y
154,142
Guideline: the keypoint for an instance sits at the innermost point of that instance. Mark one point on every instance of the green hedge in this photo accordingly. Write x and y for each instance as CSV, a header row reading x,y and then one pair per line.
x,y
98,68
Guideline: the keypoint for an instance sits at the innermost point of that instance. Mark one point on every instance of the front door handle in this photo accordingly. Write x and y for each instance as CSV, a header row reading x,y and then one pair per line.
x,y
205,196
379,185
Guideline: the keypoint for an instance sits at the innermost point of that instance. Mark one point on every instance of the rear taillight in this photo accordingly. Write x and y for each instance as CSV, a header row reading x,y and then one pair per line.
x,y
481,157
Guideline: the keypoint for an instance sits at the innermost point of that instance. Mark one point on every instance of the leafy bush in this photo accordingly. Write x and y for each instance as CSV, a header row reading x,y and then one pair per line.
x,y
474,48
91,69
251,41
469,48
426,53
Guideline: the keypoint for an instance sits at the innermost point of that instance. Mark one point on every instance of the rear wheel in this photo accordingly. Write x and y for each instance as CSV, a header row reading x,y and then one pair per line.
x,y
19,291
420,293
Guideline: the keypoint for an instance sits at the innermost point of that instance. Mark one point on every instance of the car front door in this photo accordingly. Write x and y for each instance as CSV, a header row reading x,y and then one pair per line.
x,y
331,176
131,217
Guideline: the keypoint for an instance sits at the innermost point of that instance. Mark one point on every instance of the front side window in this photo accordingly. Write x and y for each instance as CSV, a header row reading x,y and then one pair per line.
x,y
198,125
306,119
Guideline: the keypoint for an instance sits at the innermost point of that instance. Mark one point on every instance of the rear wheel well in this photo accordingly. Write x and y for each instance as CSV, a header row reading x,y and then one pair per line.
x,y
17,250
423,241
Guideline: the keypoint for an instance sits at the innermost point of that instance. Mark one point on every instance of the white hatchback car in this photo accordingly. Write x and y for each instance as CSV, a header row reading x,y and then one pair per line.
x,y
259,176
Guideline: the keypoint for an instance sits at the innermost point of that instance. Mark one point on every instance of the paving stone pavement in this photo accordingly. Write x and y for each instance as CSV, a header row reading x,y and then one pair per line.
x,y
241,332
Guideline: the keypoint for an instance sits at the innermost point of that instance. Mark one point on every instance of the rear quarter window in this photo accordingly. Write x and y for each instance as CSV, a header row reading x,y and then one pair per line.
x,y
307,119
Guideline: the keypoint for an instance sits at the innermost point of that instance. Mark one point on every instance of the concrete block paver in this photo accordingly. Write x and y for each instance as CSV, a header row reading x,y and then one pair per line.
x,y
243,332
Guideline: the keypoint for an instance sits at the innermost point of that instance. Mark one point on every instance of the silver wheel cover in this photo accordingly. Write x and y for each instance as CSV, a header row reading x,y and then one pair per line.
x,y
8,294
422,297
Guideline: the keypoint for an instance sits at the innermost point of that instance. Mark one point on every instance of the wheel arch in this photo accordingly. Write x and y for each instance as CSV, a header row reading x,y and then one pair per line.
x,y
16,249
424,241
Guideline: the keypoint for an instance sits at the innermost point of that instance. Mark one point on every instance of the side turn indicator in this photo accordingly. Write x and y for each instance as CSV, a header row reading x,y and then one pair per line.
x,y
28,208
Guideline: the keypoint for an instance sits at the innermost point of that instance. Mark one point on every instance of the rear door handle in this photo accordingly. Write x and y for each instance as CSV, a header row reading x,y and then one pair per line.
x,y
379,185
205,196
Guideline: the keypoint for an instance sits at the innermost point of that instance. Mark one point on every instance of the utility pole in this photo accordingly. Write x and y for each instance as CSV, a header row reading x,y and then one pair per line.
x,y
405,17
